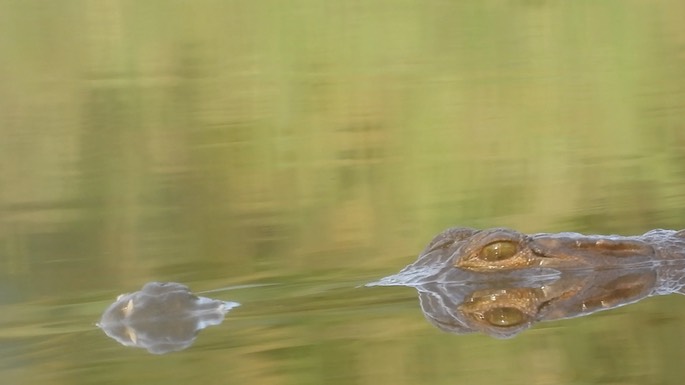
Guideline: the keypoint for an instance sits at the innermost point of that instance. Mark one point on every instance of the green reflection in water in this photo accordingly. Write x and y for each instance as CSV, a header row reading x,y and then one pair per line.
x,y
217,143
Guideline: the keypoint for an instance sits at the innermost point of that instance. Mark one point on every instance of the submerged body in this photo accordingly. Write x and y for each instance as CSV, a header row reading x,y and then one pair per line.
x,y
500,282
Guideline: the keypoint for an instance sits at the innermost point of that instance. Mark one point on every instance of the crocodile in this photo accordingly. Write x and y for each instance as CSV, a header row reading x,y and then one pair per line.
x,y
501,282
495,281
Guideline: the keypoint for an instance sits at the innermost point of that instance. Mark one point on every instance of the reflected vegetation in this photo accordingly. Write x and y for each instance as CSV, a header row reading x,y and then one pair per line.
x,y
501,282
161,317
319,141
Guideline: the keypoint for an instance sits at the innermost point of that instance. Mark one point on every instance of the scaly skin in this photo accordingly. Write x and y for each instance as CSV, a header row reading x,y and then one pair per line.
x,y
500,282
499,249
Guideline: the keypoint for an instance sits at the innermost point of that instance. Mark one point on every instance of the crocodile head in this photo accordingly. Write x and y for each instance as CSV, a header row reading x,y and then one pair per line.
x,y
501,249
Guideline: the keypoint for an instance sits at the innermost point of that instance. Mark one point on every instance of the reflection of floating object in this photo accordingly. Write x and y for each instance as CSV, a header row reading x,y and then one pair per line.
x,y
161,317
501,282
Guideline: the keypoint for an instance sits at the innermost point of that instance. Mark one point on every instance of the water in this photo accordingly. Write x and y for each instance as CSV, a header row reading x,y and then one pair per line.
x,y
302,150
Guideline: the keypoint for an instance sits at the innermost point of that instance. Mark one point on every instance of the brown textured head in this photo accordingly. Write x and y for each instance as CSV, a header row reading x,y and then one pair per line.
x,y
501,249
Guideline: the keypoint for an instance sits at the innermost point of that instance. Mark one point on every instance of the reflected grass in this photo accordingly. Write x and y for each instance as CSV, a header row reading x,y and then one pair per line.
x,y
217,142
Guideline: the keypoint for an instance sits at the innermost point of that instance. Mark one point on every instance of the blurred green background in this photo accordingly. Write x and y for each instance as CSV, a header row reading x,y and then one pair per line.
x,y
318,145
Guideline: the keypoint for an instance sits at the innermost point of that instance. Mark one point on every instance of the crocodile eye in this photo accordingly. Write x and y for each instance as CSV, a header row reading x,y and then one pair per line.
x,y
504,316
498,251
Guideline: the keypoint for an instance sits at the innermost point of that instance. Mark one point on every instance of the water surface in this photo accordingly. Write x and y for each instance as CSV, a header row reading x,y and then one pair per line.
x,y
304,149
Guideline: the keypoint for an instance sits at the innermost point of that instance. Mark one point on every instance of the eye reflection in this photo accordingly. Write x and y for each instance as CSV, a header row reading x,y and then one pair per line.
x,y
504,316
498,251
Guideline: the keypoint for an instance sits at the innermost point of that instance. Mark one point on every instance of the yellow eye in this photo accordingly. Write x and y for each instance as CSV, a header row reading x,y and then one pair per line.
x,y
498,251
504,316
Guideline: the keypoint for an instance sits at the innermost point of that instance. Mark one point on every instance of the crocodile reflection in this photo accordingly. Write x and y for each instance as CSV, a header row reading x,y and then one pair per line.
x,y
501,282
161,317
